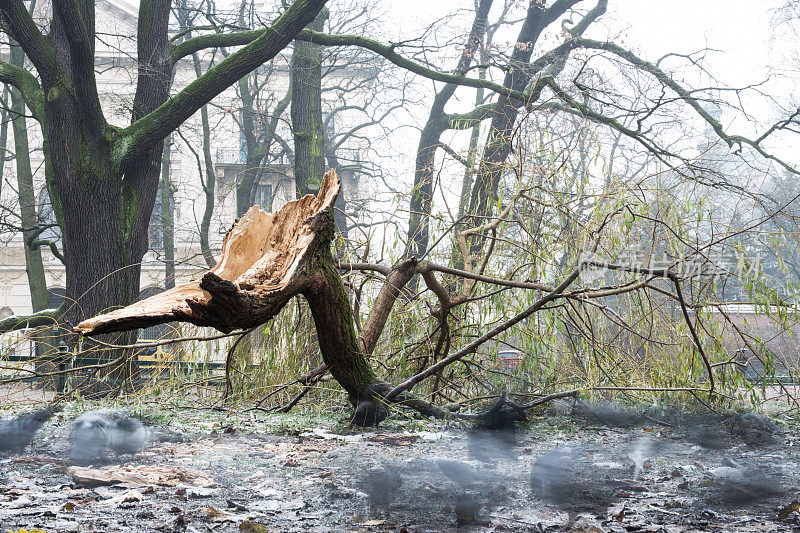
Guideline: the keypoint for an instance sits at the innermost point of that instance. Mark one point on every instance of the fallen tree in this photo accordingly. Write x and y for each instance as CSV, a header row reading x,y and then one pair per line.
x,y
269,258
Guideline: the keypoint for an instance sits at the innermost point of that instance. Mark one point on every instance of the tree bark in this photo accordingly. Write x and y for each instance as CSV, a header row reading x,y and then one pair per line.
x,y
34,267
430,138
168,216
306,111
4,118
209,189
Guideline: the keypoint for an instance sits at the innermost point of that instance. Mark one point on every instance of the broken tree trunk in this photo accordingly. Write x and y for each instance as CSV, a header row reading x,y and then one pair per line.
x,y
267,259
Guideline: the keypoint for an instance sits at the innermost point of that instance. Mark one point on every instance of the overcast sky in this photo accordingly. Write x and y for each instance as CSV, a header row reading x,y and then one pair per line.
x,y
740,28
749,47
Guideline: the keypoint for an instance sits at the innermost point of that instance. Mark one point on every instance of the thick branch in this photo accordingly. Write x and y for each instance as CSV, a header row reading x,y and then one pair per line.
x,y
28,86
396,279
156,125
46,317
17,22
81,48
403,62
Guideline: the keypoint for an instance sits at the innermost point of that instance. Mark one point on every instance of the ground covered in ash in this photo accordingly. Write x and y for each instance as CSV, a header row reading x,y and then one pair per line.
x,y
593,469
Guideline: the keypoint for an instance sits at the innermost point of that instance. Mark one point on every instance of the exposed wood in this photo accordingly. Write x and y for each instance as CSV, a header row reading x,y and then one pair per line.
x,y
262,266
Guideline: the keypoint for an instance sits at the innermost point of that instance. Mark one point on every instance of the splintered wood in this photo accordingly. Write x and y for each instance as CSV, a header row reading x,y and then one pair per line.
x,y
262,266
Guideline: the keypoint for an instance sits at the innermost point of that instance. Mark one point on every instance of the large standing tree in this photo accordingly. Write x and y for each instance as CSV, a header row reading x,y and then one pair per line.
x,y
105,178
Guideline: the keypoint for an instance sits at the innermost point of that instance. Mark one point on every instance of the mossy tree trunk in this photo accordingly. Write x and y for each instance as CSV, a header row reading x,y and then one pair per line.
x,y
34,267
31,233
306,111
168,215
4,119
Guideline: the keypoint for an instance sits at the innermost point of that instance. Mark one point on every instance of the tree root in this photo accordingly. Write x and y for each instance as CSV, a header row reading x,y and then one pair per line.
x,y
372,408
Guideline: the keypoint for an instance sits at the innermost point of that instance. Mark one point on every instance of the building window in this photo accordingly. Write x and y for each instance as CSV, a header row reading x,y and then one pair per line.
x,y
155,232
46,216
263,196
55,297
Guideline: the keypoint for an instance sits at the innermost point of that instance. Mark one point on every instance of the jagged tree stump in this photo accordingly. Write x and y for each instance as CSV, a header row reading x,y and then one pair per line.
x,y
267,259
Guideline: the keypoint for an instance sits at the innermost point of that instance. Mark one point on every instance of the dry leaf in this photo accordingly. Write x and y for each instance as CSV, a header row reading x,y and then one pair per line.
x,y
252,527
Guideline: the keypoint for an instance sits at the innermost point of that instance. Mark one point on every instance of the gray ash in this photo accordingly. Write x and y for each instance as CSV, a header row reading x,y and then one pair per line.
x,y
429,490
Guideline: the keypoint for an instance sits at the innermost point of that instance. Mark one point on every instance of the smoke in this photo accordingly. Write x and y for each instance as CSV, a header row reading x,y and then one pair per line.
x,y
486,470
641,451
96,434
382,482
18,431
608,415
591,477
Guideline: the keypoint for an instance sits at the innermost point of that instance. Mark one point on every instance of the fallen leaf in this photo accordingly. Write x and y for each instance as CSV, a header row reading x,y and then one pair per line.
x,y
218,515
213,512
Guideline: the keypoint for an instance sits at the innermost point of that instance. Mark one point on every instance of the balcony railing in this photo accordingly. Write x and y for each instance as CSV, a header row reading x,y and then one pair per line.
x,y
231,156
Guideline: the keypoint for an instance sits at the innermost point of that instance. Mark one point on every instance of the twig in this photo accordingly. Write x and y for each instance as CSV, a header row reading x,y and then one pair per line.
x,y
229,363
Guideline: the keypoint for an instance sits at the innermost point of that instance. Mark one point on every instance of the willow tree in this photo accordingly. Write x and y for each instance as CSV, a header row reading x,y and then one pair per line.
x,y
103,178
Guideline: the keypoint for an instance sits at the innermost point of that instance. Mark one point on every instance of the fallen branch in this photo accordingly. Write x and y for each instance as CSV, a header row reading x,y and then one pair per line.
x,y
46,317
